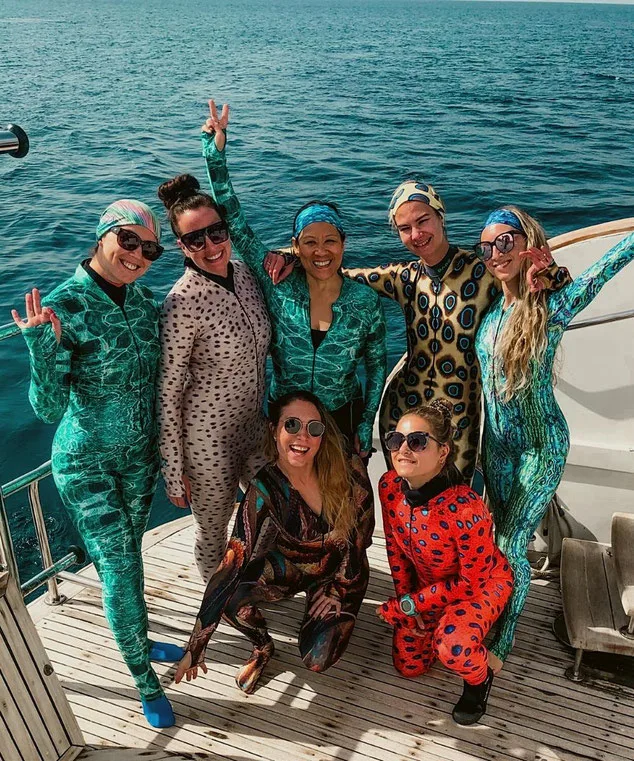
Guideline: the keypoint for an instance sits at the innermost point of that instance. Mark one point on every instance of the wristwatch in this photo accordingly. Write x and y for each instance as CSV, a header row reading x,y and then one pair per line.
x,y
407,606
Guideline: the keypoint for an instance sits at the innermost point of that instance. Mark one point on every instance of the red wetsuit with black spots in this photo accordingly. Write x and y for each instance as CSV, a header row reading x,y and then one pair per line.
x,y
441,552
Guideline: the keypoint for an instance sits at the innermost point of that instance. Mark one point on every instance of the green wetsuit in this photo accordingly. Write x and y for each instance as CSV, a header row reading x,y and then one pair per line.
x,y
526,439
99,383
356,335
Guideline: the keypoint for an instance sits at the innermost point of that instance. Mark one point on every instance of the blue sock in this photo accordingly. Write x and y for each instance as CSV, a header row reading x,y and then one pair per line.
x,y
158,712
165,652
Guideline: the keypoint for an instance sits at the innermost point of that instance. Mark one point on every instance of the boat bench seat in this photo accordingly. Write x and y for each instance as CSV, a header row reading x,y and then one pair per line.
x,y
597,588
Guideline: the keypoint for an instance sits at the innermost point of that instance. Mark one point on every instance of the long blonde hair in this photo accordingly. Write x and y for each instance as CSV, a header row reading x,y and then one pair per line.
x,y
523,339
334,475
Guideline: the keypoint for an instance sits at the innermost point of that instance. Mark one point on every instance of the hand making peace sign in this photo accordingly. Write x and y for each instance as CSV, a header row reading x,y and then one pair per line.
x,y
216,125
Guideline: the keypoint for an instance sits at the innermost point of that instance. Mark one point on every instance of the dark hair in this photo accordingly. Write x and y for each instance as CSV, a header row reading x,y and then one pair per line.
x,y
182,193
438,414
315,201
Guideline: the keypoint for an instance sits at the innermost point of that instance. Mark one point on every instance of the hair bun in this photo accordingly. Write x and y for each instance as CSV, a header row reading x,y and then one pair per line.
x,y
178,189
444,406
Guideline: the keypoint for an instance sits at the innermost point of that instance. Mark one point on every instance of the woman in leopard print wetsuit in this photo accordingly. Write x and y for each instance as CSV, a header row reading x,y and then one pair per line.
x,y
214,329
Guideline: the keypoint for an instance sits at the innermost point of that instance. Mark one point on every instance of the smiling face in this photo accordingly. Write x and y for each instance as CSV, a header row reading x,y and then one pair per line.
x,y
297,450
421,231
115,264
417,468
320,249
505,267
213,258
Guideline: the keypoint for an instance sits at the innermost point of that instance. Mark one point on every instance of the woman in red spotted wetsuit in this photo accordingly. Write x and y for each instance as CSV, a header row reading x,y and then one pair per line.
x,y
451,580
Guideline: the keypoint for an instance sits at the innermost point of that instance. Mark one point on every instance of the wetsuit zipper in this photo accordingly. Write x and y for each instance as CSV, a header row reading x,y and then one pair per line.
x,y
255,341
493,376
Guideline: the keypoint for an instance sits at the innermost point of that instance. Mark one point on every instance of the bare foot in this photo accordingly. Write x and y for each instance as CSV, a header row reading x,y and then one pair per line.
x,y
495,664
249,675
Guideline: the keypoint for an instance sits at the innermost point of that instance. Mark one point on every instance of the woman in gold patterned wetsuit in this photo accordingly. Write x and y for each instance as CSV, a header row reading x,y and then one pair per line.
x,y
444,295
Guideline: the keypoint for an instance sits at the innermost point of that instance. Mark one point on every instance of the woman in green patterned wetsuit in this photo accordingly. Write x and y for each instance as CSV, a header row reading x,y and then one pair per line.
x,y
526,438
94,353
324,326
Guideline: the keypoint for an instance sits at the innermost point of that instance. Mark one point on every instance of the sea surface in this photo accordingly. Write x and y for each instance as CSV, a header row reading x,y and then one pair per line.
x,y
492,102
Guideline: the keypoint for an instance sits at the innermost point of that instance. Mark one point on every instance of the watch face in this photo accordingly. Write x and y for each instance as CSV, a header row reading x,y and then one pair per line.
x,y
407,606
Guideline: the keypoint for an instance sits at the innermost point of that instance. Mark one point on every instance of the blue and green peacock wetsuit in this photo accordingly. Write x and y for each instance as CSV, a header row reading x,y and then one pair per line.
x,y
99,383
526,439
356,335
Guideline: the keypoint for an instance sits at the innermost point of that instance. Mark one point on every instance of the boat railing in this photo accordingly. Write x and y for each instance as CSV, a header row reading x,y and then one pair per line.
x,y
52,571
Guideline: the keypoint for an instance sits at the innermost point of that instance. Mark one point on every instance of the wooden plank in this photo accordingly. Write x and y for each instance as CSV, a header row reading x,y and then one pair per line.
x,y
25,703
521,715
16,726
8,749
131,754
22,638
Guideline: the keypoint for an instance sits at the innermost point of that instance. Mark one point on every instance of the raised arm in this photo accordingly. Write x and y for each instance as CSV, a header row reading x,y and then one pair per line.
x,y
245,241
50,350
177,342
376,372
566,303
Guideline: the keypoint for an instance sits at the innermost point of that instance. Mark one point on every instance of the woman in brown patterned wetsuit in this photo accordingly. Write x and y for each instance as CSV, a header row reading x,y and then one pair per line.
x,y
304,525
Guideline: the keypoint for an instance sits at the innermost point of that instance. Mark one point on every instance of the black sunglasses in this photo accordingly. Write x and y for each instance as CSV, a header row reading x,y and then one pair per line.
x,y
130,241
504,243
195,240
416,441
315,428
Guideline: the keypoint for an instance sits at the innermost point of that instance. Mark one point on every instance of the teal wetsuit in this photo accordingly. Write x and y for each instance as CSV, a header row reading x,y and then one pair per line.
x,y
356,335
99,383
526,439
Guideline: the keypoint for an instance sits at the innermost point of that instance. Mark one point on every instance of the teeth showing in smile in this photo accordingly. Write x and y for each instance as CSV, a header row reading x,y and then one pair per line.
x,y
297,449
214,258
130,265
325,263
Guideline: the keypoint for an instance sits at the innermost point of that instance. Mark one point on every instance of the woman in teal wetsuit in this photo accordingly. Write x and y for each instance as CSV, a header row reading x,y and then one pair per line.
x,y
324,326
94,350
526,438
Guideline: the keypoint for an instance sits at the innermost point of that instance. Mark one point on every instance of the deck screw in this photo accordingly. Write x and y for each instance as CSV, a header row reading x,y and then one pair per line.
x,y
48,669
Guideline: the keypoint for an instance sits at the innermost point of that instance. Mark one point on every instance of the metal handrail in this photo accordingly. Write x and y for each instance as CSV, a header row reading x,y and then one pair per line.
x,y
602,320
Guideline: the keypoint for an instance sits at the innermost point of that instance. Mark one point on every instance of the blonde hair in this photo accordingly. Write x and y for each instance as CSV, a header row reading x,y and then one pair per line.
x,y
334,475
523,338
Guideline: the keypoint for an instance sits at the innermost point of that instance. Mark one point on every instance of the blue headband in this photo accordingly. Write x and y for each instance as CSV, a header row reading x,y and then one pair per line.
x,y
317,212
504,217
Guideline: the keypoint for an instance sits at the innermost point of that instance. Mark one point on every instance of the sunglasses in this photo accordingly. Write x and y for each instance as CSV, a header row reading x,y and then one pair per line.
x,y
504,243
195,240
416,441
294,425
130,241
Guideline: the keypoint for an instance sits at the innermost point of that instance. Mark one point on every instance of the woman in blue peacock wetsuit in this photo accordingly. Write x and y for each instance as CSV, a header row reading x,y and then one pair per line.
x,y
94,351
324,326
526,438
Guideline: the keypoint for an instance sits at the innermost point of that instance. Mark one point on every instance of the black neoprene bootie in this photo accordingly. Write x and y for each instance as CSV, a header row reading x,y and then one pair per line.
x,y
473,704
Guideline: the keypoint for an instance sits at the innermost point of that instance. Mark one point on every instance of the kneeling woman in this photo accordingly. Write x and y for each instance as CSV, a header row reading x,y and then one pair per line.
x,y
304,525
451,580
94,350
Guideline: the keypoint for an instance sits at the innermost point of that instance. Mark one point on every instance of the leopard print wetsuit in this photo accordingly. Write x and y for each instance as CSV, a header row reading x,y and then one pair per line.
x,y
215,335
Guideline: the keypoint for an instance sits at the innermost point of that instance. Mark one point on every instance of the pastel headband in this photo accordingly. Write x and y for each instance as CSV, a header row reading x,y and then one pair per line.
x,y
127,211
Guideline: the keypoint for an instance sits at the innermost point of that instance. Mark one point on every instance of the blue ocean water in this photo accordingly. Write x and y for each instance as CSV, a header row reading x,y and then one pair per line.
x,y
492,102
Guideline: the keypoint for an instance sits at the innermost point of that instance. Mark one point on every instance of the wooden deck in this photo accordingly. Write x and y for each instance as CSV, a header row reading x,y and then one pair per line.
x,y
359,710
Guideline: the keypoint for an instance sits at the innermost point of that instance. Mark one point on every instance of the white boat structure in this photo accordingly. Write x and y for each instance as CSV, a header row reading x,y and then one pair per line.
x,y
65,692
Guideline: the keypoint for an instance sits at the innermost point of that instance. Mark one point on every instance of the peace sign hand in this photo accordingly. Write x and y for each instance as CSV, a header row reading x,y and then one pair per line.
x,y
216,125
540,259
36,314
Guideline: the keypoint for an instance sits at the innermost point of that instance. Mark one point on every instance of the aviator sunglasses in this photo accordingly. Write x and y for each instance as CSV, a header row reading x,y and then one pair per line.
x,y
130,241
294,425
195,240
416,441
504,243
